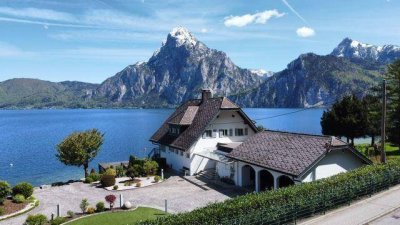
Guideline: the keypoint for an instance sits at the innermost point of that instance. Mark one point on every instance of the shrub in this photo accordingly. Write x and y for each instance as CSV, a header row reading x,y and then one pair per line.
x,y
107,180
128,183
115,187
88,180
156,179
2,211
25,189
90,210
38,219
92,171
134,171
19,198
100,207
308,198
58,221
5,190
120,171
111,199
84,204
70,214
94,177
150,167
110,171
138,184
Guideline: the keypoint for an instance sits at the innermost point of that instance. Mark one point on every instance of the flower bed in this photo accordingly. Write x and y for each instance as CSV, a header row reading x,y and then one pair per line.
x,y
126,183
12,209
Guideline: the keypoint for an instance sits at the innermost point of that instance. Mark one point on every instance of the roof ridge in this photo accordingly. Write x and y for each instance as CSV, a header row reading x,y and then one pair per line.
x,y
299,133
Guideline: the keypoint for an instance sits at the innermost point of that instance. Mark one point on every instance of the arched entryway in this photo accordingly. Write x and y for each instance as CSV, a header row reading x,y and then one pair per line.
x,y
248,177
284,181
266,180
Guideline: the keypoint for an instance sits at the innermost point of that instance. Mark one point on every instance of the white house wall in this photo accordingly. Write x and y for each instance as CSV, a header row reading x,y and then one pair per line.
x,y
333,163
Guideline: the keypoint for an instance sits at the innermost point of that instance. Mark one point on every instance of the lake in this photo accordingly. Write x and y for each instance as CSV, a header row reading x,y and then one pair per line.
x,y
28,137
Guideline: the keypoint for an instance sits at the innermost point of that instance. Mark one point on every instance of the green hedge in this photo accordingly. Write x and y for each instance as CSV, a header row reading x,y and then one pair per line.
x,y
285,204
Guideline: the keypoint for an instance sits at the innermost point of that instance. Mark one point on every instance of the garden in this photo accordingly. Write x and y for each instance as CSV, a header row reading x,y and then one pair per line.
x,y
138,173
16,200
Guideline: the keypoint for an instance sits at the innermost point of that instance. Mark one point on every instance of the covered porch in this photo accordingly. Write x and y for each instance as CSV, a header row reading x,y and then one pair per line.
x,y
258,179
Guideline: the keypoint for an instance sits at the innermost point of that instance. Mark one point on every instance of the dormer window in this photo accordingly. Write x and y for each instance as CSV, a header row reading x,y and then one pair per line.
x,y
174,130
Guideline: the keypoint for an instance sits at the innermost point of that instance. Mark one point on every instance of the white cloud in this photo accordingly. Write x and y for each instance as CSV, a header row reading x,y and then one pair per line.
x,y
204,30
36,13
259,18
7,51
305,32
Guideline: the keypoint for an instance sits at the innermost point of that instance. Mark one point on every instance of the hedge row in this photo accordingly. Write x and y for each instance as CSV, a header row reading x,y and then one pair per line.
x,y
296,201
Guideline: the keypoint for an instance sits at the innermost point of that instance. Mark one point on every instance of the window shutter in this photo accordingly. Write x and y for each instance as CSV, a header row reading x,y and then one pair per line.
x,y
236,132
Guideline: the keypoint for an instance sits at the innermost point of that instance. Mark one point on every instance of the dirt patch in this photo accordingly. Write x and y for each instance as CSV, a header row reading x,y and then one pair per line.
x,y
11,207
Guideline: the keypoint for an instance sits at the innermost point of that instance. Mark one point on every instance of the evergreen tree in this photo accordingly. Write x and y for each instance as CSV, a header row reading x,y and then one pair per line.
x,y
393,88
373,108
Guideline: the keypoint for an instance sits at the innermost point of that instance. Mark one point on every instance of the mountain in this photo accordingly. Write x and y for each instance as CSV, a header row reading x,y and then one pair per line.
x,y
263,74
356,51
175,73
311,80
34,93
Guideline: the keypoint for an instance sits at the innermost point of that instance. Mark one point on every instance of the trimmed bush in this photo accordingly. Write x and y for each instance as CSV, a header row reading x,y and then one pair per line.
x,y
5,190
19,198
110,171
150,167
115,187
38,219
58,221
84,205
138,184
282,205
90,210
107,180
111,199
120,171
100,207
88,180
25,189
156,179
94,176
70,213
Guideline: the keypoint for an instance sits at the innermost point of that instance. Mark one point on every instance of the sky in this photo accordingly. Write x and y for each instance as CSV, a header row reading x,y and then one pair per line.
x,y
92,40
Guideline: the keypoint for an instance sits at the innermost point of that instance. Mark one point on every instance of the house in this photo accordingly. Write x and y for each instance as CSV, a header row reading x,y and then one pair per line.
x,y
214,136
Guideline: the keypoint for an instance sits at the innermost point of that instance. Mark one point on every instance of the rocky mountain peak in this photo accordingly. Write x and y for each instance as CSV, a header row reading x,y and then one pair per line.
x,y
181,36
355,50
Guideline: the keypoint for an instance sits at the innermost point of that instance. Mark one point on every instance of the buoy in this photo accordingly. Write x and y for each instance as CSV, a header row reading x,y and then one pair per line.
x,y
11,165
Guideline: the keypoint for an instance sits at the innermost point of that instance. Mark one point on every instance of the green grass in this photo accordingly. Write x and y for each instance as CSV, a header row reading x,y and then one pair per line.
x,y
392,152
120,218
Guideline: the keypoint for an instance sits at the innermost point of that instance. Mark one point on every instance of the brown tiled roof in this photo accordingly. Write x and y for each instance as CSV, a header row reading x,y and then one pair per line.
x,y
289,153
205,113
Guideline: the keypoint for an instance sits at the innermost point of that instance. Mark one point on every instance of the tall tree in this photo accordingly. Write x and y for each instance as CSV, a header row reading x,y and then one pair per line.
x,y
373,107
347,118
393,88
79,148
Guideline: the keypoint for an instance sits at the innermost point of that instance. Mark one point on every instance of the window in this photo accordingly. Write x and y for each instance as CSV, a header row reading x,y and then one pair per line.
x,y
207,134
181,153
214,133
176,151
230,132
246,131
188,155
223,133
239,132
162,148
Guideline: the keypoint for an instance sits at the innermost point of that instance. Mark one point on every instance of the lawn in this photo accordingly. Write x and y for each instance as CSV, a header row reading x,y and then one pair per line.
x,y
392,152
120,217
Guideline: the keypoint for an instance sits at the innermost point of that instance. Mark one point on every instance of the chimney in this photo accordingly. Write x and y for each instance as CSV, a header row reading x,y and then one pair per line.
x,y
205,95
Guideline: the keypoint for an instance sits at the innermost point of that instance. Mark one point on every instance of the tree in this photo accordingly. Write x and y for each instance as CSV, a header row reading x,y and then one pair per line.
x,y
373,107
393,91
111,199
347,118
150,167
79,148
84,204
133,171
5,190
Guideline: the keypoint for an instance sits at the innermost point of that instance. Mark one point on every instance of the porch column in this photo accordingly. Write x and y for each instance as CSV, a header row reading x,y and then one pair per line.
x,y
257,172
276,182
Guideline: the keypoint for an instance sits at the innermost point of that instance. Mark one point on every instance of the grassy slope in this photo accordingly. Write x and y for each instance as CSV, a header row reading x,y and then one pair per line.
x,y
120,218
392,152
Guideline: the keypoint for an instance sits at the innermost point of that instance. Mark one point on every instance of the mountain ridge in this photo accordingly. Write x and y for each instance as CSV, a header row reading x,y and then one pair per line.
x,y
183,65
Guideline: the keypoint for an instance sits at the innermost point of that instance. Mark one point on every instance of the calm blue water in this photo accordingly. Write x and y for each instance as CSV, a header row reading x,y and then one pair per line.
x,y
28,137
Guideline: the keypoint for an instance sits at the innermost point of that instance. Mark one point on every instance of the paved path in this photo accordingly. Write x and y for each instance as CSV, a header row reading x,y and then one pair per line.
x,y
364,211
392,218
182,195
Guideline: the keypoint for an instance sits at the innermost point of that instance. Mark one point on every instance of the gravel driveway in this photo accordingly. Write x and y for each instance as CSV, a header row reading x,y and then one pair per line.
x,y
183,194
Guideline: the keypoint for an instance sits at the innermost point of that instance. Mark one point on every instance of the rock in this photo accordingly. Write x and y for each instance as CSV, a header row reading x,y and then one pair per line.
x,y
127,205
